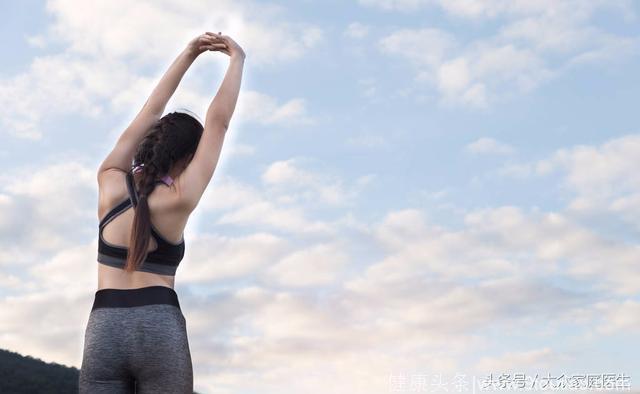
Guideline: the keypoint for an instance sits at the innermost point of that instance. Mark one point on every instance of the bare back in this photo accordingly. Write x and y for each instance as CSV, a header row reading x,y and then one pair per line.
x,y
169,215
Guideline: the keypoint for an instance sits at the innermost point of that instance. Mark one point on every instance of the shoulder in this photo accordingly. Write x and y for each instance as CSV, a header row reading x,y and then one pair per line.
x,y
111,179
111,188
110,173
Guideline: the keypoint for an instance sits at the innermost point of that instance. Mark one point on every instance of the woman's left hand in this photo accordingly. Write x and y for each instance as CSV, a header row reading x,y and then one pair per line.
x,y
205,42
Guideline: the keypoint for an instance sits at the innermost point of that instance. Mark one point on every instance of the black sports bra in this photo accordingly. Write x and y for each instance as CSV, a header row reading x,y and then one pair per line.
x,y
163,260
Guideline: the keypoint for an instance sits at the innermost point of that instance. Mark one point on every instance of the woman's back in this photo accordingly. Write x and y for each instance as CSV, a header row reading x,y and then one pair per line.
x,y
168,215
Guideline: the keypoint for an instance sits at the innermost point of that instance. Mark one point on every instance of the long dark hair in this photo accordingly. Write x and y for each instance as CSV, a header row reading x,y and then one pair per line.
x,y
173,137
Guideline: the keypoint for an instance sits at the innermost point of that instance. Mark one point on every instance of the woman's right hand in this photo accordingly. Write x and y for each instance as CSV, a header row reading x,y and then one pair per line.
x,y
232,48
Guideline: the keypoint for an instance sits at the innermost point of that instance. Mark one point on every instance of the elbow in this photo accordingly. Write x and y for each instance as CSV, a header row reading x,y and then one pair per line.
x,y
220,122
224,125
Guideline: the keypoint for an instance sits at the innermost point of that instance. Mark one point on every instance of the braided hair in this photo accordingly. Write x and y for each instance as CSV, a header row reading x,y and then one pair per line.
x,y
173,137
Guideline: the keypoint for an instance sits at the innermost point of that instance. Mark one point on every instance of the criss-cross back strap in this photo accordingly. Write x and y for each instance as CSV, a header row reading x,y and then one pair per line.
x,y
131,188
133,193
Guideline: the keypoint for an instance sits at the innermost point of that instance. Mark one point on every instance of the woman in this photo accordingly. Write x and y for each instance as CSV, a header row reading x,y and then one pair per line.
x,y
136,338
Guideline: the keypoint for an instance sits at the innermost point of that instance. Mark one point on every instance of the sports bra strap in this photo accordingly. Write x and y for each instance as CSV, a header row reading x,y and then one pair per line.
x,y
133,193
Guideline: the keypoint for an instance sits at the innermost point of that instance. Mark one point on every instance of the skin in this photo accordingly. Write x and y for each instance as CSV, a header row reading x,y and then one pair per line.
x,y
170,206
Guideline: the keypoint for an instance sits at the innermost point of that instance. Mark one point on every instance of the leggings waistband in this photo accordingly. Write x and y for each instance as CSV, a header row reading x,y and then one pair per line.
x,y
126,298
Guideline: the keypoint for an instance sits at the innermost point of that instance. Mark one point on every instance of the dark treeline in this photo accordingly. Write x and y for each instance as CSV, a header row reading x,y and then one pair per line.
x,y
25,374
28,375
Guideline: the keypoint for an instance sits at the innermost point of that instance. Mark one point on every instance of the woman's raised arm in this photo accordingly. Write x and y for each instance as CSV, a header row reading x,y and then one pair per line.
x,y
122,154
194,179
169,82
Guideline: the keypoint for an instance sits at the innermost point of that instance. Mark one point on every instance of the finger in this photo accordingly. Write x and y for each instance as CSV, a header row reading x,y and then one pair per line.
x,y
217,39
214,47
210,38
218,36
211,46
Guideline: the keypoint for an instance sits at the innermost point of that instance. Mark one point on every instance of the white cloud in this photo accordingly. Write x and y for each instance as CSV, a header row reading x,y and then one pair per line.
x,y
37,41
106,45
541,359
292,219
245,205
427,46
274,337
286,172
317,265
260,107
41,207
604,170
240,149
356,30
44,91
487,145
473,74
516,170
501,242
11,282
47,324
369,88
146,31
492,9
603,178
534,42
54,274
453,75
307,185
366,141
401,5
214,257
236,194
618,316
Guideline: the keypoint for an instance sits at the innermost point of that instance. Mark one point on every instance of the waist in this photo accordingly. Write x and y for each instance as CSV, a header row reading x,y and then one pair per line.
x,y
115,278
126,298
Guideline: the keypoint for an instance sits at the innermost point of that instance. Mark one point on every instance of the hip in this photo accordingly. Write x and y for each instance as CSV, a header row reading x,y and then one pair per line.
x,y
136,321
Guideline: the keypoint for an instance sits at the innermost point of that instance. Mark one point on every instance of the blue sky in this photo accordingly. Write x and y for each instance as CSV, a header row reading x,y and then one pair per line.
x,y
414,186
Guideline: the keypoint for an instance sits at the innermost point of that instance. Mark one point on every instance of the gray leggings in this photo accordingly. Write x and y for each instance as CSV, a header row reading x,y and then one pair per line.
x,y
136,342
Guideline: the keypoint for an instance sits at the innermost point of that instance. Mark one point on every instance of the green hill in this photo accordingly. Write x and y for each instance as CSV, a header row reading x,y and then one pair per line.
x,y
25,374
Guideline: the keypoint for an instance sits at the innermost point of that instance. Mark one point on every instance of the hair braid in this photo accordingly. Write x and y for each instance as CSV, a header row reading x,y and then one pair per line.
x,y
171,138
